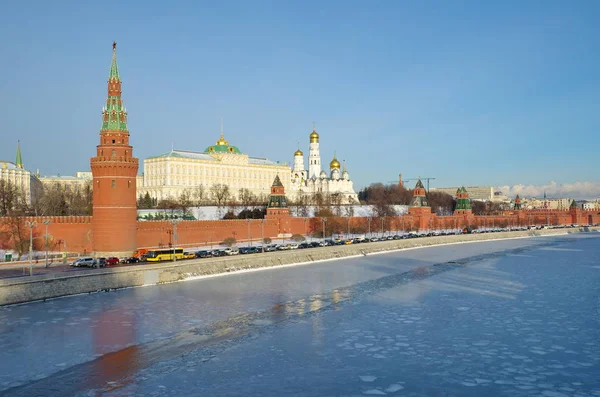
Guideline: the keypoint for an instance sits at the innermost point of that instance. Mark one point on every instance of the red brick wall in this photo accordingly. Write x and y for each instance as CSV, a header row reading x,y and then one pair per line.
x,y
76,231
70,233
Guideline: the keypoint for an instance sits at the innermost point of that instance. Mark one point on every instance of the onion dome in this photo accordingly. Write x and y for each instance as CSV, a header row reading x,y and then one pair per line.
x,y
298,153
335,164
222,146
314,137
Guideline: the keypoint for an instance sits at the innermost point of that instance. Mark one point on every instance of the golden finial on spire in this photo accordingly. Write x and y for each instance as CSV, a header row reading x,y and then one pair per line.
x,y
114,45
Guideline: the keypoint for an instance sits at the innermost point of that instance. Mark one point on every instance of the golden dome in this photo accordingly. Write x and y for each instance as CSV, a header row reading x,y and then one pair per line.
x,y
314,137
222,141
298,153
335,164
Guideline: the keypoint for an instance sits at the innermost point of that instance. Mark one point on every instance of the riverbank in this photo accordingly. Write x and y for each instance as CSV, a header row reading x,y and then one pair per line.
x,y
20,290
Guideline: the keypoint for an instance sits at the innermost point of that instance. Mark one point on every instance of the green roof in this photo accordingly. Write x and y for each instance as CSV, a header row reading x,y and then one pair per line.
x,y
277,181
19,161
222,149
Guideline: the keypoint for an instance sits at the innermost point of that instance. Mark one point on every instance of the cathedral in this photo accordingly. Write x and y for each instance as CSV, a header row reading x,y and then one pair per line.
x,y
315,180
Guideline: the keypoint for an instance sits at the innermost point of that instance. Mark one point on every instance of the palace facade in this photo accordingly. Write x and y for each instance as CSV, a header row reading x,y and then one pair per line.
x,y
170,174
26,182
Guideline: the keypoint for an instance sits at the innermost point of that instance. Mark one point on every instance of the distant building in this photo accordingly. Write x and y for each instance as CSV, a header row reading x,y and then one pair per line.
x,y
546,203
484,193
79,180
591,205
26,182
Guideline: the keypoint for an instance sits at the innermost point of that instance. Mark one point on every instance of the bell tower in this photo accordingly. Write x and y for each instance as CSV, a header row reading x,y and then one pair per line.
x,y
114,171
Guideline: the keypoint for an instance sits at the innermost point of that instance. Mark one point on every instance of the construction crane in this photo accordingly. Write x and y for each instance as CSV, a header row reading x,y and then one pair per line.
x,y
401,181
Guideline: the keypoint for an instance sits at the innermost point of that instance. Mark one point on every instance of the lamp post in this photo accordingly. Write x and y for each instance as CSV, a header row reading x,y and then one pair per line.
x,y
31,225
323,220
348,228
305,222
262,231
382,220
174,222
369,219
46,222
249,234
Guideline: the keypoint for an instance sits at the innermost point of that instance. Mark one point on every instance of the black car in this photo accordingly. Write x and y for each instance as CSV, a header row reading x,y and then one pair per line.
x,y
203,254
304,245
246,250
133,259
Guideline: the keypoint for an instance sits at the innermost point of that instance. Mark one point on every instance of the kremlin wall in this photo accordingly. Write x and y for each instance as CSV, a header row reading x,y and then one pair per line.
x,y
113,230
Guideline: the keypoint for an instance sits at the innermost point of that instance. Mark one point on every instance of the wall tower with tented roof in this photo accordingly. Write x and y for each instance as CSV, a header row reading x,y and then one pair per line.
x,y
114,171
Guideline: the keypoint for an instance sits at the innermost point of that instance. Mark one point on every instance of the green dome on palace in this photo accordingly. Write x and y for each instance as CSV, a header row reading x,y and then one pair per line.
x,y
222,146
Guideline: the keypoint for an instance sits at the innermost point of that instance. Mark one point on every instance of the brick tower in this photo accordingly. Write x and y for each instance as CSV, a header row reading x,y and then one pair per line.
x,y
463,202
114,171
419,207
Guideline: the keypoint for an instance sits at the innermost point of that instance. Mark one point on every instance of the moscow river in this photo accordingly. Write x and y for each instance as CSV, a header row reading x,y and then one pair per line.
x,y
515,317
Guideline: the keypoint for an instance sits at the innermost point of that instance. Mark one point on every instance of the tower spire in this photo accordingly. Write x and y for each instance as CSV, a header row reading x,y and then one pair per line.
x,y
114,69
19,159
114,115
222,133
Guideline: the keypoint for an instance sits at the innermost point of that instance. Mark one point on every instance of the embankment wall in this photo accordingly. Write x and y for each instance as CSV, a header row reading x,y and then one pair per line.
x,y
41,287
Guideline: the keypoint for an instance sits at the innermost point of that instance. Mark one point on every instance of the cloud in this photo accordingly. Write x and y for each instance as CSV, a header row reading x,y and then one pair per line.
x,y
576,190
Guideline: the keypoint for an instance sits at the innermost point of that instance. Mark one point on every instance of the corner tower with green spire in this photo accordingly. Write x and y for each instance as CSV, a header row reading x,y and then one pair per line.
x,y
114,171
463,202
19,159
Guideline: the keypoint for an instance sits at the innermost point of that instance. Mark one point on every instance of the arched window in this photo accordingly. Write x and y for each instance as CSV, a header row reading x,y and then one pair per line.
x,y
113,183
113,153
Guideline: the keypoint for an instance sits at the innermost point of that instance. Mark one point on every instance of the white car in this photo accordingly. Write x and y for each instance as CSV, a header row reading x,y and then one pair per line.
x,y
88,261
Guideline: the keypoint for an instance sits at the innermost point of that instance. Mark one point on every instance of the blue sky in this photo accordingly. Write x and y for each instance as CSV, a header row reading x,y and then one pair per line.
x,y
469,92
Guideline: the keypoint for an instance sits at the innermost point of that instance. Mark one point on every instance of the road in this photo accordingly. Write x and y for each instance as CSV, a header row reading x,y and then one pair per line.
x,y
508,318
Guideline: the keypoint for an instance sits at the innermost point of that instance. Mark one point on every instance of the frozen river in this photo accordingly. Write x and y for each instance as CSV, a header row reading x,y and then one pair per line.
x,y
507,318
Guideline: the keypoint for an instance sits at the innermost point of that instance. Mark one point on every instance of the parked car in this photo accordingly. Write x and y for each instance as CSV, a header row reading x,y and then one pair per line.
x,y
83,262
99,262
111,260
189,255
203,254
132,259
271,247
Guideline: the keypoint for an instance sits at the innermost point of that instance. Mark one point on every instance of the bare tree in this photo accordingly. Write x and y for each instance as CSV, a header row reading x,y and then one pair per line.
x,y
335,201
247,198
8,197
199,195
185,203
220,194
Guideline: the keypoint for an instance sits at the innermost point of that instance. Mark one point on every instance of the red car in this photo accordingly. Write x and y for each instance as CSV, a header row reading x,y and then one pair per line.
x,y
112,261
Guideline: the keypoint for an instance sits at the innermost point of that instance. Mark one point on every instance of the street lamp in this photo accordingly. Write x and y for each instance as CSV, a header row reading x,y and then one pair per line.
x,y
305,222
46,222
249,234
369,219
348,231
174,222
323,220
382,220
262,231
31,225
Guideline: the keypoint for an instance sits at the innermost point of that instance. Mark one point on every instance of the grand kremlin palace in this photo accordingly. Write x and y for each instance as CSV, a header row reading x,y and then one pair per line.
x,y
170,174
